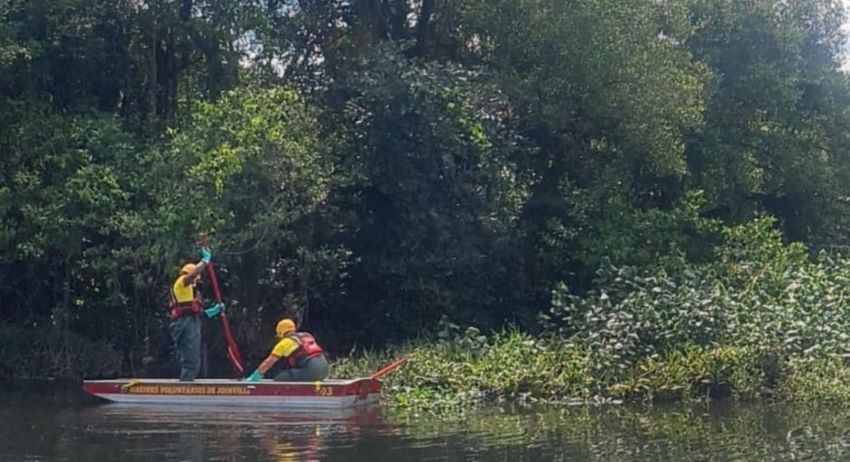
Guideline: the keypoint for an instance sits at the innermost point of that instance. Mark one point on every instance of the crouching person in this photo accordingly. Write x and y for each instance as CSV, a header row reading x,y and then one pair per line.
x,y
303,358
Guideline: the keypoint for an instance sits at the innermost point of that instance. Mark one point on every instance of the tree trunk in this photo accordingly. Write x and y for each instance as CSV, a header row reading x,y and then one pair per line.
x,y
152,79
423,32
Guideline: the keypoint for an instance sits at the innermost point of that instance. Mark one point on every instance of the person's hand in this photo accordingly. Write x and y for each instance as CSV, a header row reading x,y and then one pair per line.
x,y
254,377
206,255
214,310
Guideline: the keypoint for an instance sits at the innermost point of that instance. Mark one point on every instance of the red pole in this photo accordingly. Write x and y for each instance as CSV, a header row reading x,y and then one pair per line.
x,y
232,349
390,367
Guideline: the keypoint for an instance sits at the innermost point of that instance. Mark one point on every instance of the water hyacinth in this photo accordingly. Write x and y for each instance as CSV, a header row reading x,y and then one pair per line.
x,y
763,320
760,296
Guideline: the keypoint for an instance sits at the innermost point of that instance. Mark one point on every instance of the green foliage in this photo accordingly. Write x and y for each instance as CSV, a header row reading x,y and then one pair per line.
x,y
636,237
509,366
762,320
432,194
760,294
592,57
241,167
608,103
700,373
24,355
774,114
64,193
370,167
817,381
249,170
463,371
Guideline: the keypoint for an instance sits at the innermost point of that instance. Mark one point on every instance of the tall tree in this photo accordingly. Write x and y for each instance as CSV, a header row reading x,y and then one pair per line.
x,y
607,94
776,119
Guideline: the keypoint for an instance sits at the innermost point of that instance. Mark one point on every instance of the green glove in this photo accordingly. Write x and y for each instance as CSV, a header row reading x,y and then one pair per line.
x,y
206,255
214,310
254,377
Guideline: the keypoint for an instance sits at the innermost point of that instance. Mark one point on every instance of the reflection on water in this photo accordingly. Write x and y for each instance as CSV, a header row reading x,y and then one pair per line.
x,y
188,433
52,424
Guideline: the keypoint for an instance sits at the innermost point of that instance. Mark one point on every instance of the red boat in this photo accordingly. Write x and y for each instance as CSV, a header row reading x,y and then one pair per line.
x,y
327,394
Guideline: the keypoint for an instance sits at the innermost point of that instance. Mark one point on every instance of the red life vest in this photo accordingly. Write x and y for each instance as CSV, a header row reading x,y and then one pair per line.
x,y
307,348
178,310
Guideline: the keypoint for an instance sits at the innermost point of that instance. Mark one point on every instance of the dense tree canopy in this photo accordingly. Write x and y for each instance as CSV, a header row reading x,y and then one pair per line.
x,y
371,166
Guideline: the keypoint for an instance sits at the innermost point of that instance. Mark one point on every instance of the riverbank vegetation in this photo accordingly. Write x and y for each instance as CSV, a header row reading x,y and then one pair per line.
x,y
763,320
640,199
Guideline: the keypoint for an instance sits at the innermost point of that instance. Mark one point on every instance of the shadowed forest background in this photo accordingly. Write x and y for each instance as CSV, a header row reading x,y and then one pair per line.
x,y
374,166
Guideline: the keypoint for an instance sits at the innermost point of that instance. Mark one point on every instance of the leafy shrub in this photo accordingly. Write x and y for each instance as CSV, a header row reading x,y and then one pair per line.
x,y
24,355
760,294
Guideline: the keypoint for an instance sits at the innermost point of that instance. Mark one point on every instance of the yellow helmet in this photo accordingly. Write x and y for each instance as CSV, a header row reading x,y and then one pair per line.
x,y
284,326
187,268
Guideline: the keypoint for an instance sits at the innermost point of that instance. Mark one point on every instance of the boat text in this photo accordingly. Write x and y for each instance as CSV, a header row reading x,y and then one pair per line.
x,y
188,390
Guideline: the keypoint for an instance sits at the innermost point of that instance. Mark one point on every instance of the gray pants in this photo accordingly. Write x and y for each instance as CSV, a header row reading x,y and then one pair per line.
x,y
314,369
186,333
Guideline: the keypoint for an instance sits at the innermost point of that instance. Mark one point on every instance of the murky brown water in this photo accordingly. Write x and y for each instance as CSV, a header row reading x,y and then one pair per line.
x,y
61,424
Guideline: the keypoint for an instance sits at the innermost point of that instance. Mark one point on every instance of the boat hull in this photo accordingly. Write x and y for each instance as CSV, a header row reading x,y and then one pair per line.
x,y
328,394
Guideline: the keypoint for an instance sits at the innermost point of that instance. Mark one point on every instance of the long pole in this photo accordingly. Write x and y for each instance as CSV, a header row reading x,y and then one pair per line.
x,y
232,349
390,367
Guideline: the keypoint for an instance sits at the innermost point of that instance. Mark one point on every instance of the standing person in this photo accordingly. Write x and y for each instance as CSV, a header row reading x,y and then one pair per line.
x,y
186,311
304,358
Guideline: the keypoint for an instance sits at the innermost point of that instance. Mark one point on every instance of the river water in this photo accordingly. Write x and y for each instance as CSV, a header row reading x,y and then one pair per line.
x,y
60,424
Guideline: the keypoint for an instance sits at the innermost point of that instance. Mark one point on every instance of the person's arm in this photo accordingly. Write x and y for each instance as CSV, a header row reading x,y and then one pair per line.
x,y
206,255
187,279
267,364
264,367
283,349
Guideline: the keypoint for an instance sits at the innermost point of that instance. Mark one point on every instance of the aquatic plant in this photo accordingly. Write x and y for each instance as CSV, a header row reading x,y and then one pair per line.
x,y
762,320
